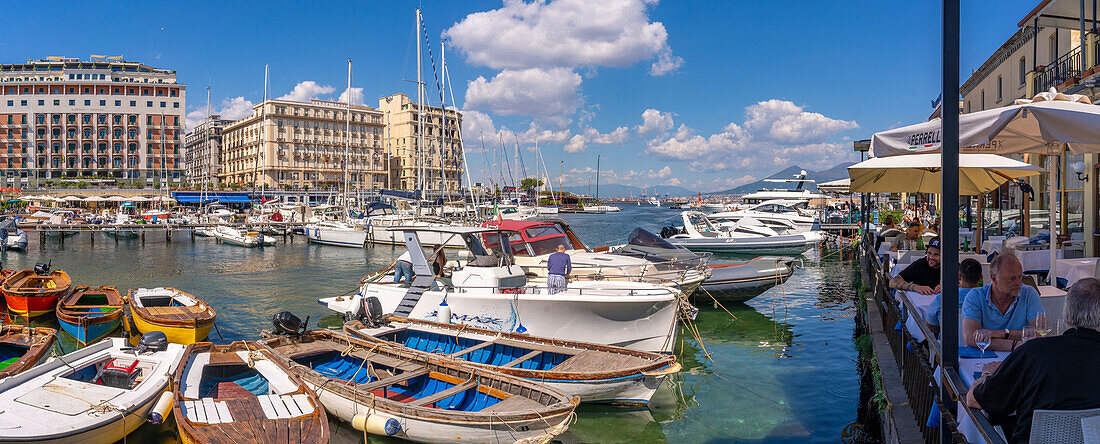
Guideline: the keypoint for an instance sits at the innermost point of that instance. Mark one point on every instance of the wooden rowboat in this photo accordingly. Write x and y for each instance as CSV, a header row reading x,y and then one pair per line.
x,y
30,294
90,313
389,390
185,319
241,393
593,372
23,347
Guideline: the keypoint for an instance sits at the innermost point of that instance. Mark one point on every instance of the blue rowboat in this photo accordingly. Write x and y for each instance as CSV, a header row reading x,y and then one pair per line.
x,y
90,313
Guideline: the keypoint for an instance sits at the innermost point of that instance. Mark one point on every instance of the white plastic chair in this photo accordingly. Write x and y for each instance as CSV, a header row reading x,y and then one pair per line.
x,y
1059,426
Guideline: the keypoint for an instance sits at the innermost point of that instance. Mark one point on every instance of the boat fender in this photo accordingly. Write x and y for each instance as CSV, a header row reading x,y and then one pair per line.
x,y
376,424
161,409
444,312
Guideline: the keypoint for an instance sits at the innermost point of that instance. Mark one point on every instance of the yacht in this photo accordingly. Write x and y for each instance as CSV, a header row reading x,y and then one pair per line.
x,y
600,209
487,289
241,237
798,193
338,233
654,201
746,236
781,215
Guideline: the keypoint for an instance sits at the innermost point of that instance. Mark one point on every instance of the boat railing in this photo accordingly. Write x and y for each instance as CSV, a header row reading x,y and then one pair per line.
x,y
626,273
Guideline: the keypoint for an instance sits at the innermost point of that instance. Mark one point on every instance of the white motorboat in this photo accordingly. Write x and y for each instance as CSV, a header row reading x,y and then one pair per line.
x,y
241,237
490,291
126,215
783,216
380,230
341,234
600,209
537,239
11,236
546,210
97,394
654,201
746,236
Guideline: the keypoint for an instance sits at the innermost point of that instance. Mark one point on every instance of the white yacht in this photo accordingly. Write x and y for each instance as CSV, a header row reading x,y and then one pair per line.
x,y
488,290
338,233
600,209
781,215
746,236
241,237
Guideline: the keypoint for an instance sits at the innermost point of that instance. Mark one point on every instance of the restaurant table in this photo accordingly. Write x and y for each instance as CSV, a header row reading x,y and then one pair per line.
x,y
1073,270
993,244
965,235
1035,260
923,305
967,369
1053,300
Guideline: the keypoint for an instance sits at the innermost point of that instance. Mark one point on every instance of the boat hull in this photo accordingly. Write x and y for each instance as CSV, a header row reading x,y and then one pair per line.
x,y
417,430
89,333
339,238
177,335
31,306
749,246
639,322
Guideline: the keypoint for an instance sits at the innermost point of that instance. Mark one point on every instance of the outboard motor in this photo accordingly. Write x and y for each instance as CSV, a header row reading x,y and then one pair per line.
x,y
287,324
42,269
153,341
369,313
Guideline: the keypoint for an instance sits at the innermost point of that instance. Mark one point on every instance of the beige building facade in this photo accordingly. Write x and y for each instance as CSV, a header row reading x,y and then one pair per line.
x,y
1055,45
439,165
303,146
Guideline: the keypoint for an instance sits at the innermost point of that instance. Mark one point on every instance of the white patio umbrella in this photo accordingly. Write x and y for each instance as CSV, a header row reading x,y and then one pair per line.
x,y
116,199
95,199
71,199
1044,125
840,186
920,173
138,199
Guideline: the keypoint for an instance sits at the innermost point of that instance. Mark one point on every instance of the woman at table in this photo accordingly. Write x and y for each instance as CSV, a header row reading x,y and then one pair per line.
x,y
1004,307
1052,373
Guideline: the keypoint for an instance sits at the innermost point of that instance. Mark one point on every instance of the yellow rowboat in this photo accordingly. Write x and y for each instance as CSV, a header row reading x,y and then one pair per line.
x,y
183,318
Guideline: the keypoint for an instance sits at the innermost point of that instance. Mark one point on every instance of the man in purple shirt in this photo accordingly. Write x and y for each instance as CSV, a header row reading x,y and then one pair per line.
x,y
558,265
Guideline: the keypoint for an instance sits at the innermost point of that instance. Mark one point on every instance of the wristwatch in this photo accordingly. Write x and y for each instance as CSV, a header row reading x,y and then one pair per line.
x,y
1006,334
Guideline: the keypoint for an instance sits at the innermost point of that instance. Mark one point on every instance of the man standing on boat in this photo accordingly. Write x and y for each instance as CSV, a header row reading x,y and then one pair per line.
x,y
403,268
559,265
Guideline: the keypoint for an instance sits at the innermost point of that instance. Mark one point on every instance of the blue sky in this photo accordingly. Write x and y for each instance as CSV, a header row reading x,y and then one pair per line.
x,y
702,94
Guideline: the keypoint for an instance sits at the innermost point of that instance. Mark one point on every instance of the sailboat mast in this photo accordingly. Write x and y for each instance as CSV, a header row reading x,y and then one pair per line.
x,y
419,119
347,137
206,149
262,158
597,179
461,143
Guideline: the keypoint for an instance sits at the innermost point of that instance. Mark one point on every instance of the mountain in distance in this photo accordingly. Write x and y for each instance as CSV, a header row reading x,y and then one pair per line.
x,y
608,190
837,172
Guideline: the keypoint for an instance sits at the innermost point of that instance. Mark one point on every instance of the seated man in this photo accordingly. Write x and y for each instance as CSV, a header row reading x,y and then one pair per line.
x,y
910,241
1051,373
923,275
970,274
1004,307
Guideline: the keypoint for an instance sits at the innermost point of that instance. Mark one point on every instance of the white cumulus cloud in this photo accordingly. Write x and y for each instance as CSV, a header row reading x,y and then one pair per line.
x,y
774,133
654,122
230,108
564,33
531,92
356,96
579,142
306,90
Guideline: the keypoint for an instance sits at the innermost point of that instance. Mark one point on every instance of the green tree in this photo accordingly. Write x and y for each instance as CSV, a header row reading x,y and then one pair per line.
x,y
529,184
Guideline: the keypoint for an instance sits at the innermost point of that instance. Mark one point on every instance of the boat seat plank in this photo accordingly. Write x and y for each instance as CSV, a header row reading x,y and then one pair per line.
x,y
225,359
210,410
265,404
472,349
200,412
522,358
281,411
513,404
394,379
303,403
291,406
223,412
439,396
592,361
189,411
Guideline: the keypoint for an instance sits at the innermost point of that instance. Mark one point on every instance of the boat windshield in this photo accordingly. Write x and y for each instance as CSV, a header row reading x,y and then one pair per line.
x,y
643,238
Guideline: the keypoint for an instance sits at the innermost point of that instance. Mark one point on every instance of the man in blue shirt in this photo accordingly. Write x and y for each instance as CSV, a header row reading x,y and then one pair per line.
x,y
970,275
1003,307
558,266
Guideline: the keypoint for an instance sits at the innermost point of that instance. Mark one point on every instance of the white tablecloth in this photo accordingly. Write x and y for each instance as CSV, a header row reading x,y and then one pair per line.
x,y
923,304
967,367
993,245
1036,260
1073,270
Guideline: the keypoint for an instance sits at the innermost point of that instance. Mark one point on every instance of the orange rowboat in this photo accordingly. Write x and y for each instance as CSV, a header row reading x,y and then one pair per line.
x,y
29,294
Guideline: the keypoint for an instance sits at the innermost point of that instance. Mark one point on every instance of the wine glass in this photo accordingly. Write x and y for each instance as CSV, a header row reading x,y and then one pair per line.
x,y
982,338
1042,324
1062,326
1028,333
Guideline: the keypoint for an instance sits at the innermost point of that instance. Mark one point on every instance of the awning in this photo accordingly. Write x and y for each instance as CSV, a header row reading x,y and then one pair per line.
x,y
192,197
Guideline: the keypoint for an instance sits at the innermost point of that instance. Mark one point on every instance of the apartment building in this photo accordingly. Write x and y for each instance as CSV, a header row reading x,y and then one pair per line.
x,y
106,118
203,151
439,164
298,145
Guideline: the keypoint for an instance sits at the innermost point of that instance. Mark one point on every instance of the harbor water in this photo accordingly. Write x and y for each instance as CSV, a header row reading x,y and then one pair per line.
x,y
779,368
